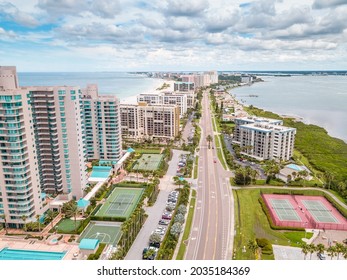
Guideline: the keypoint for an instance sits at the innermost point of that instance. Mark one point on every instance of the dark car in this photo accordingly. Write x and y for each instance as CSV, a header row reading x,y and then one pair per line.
x,y
164,222
321,256
345,241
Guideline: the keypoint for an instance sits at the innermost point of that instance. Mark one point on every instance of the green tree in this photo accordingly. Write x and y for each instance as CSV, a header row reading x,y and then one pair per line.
x,y
320,248
311,249
252,246
305,249
155,238
339,249
71,210
38,221
176,229
332,252
3,216
50,215
24,218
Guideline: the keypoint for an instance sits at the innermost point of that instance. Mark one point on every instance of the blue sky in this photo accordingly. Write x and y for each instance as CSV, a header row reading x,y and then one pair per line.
x,y
126,35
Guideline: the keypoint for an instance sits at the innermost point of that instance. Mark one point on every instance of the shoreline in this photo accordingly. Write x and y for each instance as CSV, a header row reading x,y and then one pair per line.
x,y
152,89
283,114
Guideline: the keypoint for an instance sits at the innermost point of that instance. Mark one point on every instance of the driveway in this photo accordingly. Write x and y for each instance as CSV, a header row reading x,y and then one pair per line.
x,y
154,213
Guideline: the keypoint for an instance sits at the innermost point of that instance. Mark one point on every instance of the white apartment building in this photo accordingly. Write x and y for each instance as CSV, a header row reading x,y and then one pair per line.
x,y
250,120
149,121
166,98
267,139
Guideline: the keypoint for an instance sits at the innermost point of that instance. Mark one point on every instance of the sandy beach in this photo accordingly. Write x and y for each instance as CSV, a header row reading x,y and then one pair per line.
x,y
153,89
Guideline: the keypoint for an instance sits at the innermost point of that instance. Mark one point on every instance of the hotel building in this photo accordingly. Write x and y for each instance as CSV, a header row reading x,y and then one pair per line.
x,y
149,120
264,139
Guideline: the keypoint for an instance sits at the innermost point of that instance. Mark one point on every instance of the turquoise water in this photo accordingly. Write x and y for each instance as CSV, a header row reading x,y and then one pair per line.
x,y
121,84
319,100
294,166
100,172
14,254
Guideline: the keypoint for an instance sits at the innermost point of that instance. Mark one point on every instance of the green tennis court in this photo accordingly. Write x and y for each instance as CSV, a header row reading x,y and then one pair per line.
x,y
106,232
149,162
319,212
121,202
284,210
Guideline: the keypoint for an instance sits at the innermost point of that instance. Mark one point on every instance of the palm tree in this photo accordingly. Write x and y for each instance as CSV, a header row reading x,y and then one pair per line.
x,y
305,249
72,211
38,221
209,139
289,178
254,173
311,249
320,248
332,252
50,215
3,216
328,177
24,218
339,249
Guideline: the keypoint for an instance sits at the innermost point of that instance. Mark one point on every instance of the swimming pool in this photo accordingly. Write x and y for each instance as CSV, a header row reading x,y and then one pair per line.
x,y
295,167
100,172
15,254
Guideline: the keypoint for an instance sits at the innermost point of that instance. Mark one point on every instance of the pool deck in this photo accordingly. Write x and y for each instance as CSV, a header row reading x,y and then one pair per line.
x,y
32,244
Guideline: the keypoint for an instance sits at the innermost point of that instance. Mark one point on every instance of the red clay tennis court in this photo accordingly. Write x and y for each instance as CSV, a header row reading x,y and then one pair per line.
x,y
304,212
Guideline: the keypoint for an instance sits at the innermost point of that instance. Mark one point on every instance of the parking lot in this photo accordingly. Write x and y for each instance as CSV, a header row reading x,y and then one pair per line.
x,y
155,212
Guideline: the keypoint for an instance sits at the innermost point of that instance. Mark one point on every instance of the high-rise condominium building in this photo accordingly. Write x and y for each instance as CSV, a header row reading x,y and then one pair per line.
x,y
102,125
264,138
20,192
149,121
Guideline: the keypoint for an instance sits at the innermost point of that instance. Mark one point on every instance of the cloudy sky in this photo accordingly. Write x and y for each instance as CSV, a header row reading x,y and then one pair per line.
x,y
128,35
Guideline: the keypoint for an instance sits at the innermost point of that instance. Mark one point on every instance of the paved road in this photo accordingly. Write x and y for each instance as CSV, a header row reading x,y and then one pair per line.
x,y
213,225
154,213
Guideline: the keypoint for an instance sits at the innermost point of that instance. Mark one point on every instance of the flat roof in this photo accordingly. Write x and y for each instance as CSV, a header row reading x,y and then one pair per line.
x,y
88,244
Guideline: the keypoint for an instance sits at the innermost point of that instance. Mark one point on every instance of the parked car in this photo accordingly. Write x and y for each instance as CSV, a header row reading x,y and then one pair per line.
x,y
321,256
166,216
154,244
164,222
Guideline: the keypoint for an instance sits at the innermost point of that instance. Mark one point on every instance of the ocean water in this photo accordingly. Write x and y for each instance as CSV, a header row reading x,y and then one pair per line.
x,y
123,85
320,100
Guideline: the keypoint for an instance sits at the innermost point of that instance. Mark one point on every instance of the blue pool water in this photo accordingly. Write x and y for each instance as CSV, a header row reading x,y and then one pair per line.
x,y
14,254
295,167
101,172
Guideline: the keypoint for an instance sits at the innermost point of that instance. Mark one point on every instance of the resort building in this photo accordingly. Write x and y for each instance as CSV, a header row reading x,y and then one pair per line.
x,y
166,98
101,115
149,121
264,138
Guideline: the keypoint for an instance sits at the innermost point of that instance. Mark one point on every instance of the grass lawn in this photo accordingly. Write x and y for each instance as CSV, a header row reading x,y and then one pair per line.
x,y
219,151
187,229
251,223
67,225
196,167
